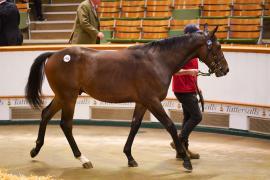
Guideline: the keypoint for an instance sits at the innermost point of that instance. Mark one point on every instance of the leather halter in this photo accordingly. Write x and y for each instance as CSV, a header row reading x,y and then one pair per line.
x,y
215,65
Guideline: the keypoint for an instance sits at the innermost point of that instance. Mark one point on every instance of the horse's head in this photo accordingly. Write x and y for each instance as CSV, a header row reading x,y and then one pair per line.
x,y
211,54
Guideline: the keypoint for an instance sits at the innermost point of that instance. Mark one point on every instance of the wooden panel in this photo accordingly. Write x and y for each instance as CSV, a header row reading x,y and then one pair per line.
x,y
133,3
132,14
120,35
127,29
212,27
155,23
244,28
158,3
109,4
221,35
26,113
187,2
216,8
267,13
247,13
214,21
216,13
108,25
159,35
217,1
259,125
108,9
105,113
186,6
248,1
209,119
155,29
132,9
159,14
245,35
136,23
247,7
256,21
175,22
158,8
109,15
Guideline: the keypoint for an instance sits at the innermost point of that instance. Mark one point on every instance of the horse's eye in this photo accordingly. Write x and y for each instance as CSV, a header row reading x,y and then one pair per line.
x,y
215,56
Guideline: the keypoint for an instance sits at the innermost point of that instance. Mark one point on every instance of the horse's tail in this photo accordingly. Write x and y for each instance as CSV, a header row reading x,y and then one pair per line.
x,y
35,79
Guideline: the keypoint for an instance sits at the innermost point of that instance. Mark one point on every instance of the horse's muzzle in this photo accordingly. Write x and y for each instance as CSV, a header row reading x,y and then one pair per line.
x,y
222,72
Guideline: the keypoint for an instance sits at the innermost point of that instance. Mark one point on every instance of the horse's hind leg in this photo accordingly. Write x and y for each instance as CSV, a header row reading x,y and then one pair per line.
x,y
46,115
135,125
66,125
156,108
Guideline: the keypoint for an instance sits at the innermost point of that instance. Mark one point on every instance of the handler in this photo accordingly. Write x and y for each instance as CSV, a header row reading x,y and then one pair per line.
x,y
86,27
184,87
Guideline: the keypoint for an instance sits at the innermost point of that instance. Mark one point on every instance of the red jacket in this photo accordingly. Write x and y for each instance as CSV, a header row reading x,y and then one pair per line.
x,y
185,83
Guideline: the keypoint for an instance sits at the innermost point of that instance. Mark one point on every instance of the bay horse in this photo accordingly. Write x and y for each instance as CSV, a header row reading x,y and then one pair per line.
x,y
140,74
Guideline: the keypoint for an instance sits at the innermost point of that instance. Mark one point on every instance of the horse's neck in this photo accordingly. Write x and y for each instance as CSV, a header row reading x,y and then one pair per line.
x,y
170,60
178,57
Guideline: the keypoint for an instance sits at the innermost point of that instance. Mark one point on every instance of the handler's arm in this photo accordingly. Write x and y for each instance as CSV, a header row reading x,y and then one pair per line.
x,y
192,72
86,21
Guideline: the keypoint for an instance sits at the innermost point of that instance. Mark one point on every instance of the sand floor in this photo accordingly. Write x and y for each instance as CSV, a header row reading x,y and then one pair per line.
x,y
222,156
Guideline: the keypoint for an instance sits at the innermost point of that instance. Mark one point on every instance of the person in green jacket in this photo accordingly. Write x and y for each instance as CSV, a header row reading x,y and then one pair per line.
x,y
86,27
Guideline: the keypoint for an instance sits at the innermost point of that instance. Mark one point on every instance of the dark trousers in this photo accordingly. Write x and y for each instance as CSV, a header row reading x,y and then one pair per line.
x,y
38,8
191,111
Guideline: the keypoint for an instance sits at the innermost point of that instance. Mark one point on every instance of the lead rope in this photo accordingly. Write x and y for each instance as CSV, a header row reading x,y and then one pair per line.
x,y
200,96
200,73
201,99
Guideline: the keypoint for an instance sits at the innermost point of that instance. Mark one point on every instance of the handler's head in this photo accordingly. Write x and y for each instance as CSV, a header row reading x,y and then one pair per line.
x,y
191,28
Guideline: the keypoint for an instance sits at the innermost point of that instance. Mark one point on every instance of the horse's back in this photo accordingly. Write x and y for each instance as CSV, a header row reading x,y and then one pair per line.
x,y
119,76
112,76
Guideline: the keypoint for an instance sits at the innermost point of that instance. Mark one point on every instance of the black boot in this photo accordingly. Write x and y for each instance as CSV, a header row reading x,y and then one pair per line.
x,y
185,144
191,154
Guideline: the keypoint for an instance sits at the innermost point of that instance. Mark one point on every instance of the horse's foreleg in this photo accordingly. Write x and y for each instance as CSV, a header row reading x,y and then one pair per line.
x,y
46,115
156,108
66,125
135,125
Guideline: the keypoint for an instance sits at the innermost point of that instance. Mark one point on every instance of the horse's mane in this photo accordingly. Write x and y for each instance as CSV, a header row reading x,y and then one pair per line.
x,y
168,43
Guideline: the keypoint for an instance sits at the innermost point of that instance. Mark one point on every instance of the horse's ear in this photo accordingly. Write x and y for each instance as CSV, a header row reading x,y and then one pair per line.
x,y
205,28
213,32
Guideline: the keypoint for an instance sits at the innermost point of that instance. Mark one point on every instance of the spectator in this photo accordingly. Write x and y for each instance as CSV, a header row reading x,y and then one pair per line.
x,y
10,33
184,87
86,27
38,9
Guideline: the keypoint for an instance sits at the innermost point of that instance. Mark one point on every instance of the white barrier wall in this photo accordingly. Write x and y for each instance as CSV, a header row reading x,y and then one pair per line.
x,y
247,82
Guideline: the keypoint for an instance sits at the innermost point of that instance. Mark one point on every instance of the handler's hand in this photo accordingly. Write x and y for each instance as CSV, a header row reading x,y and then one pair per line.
x,y
100,35
193,72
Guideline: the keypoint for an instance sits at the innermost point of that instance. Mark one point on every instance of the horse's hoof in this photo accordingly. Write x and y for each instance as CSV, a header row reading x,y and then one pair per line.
x,y
132,163
172,145
33,152
194,156
187,165
190,155
179,156
87,165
